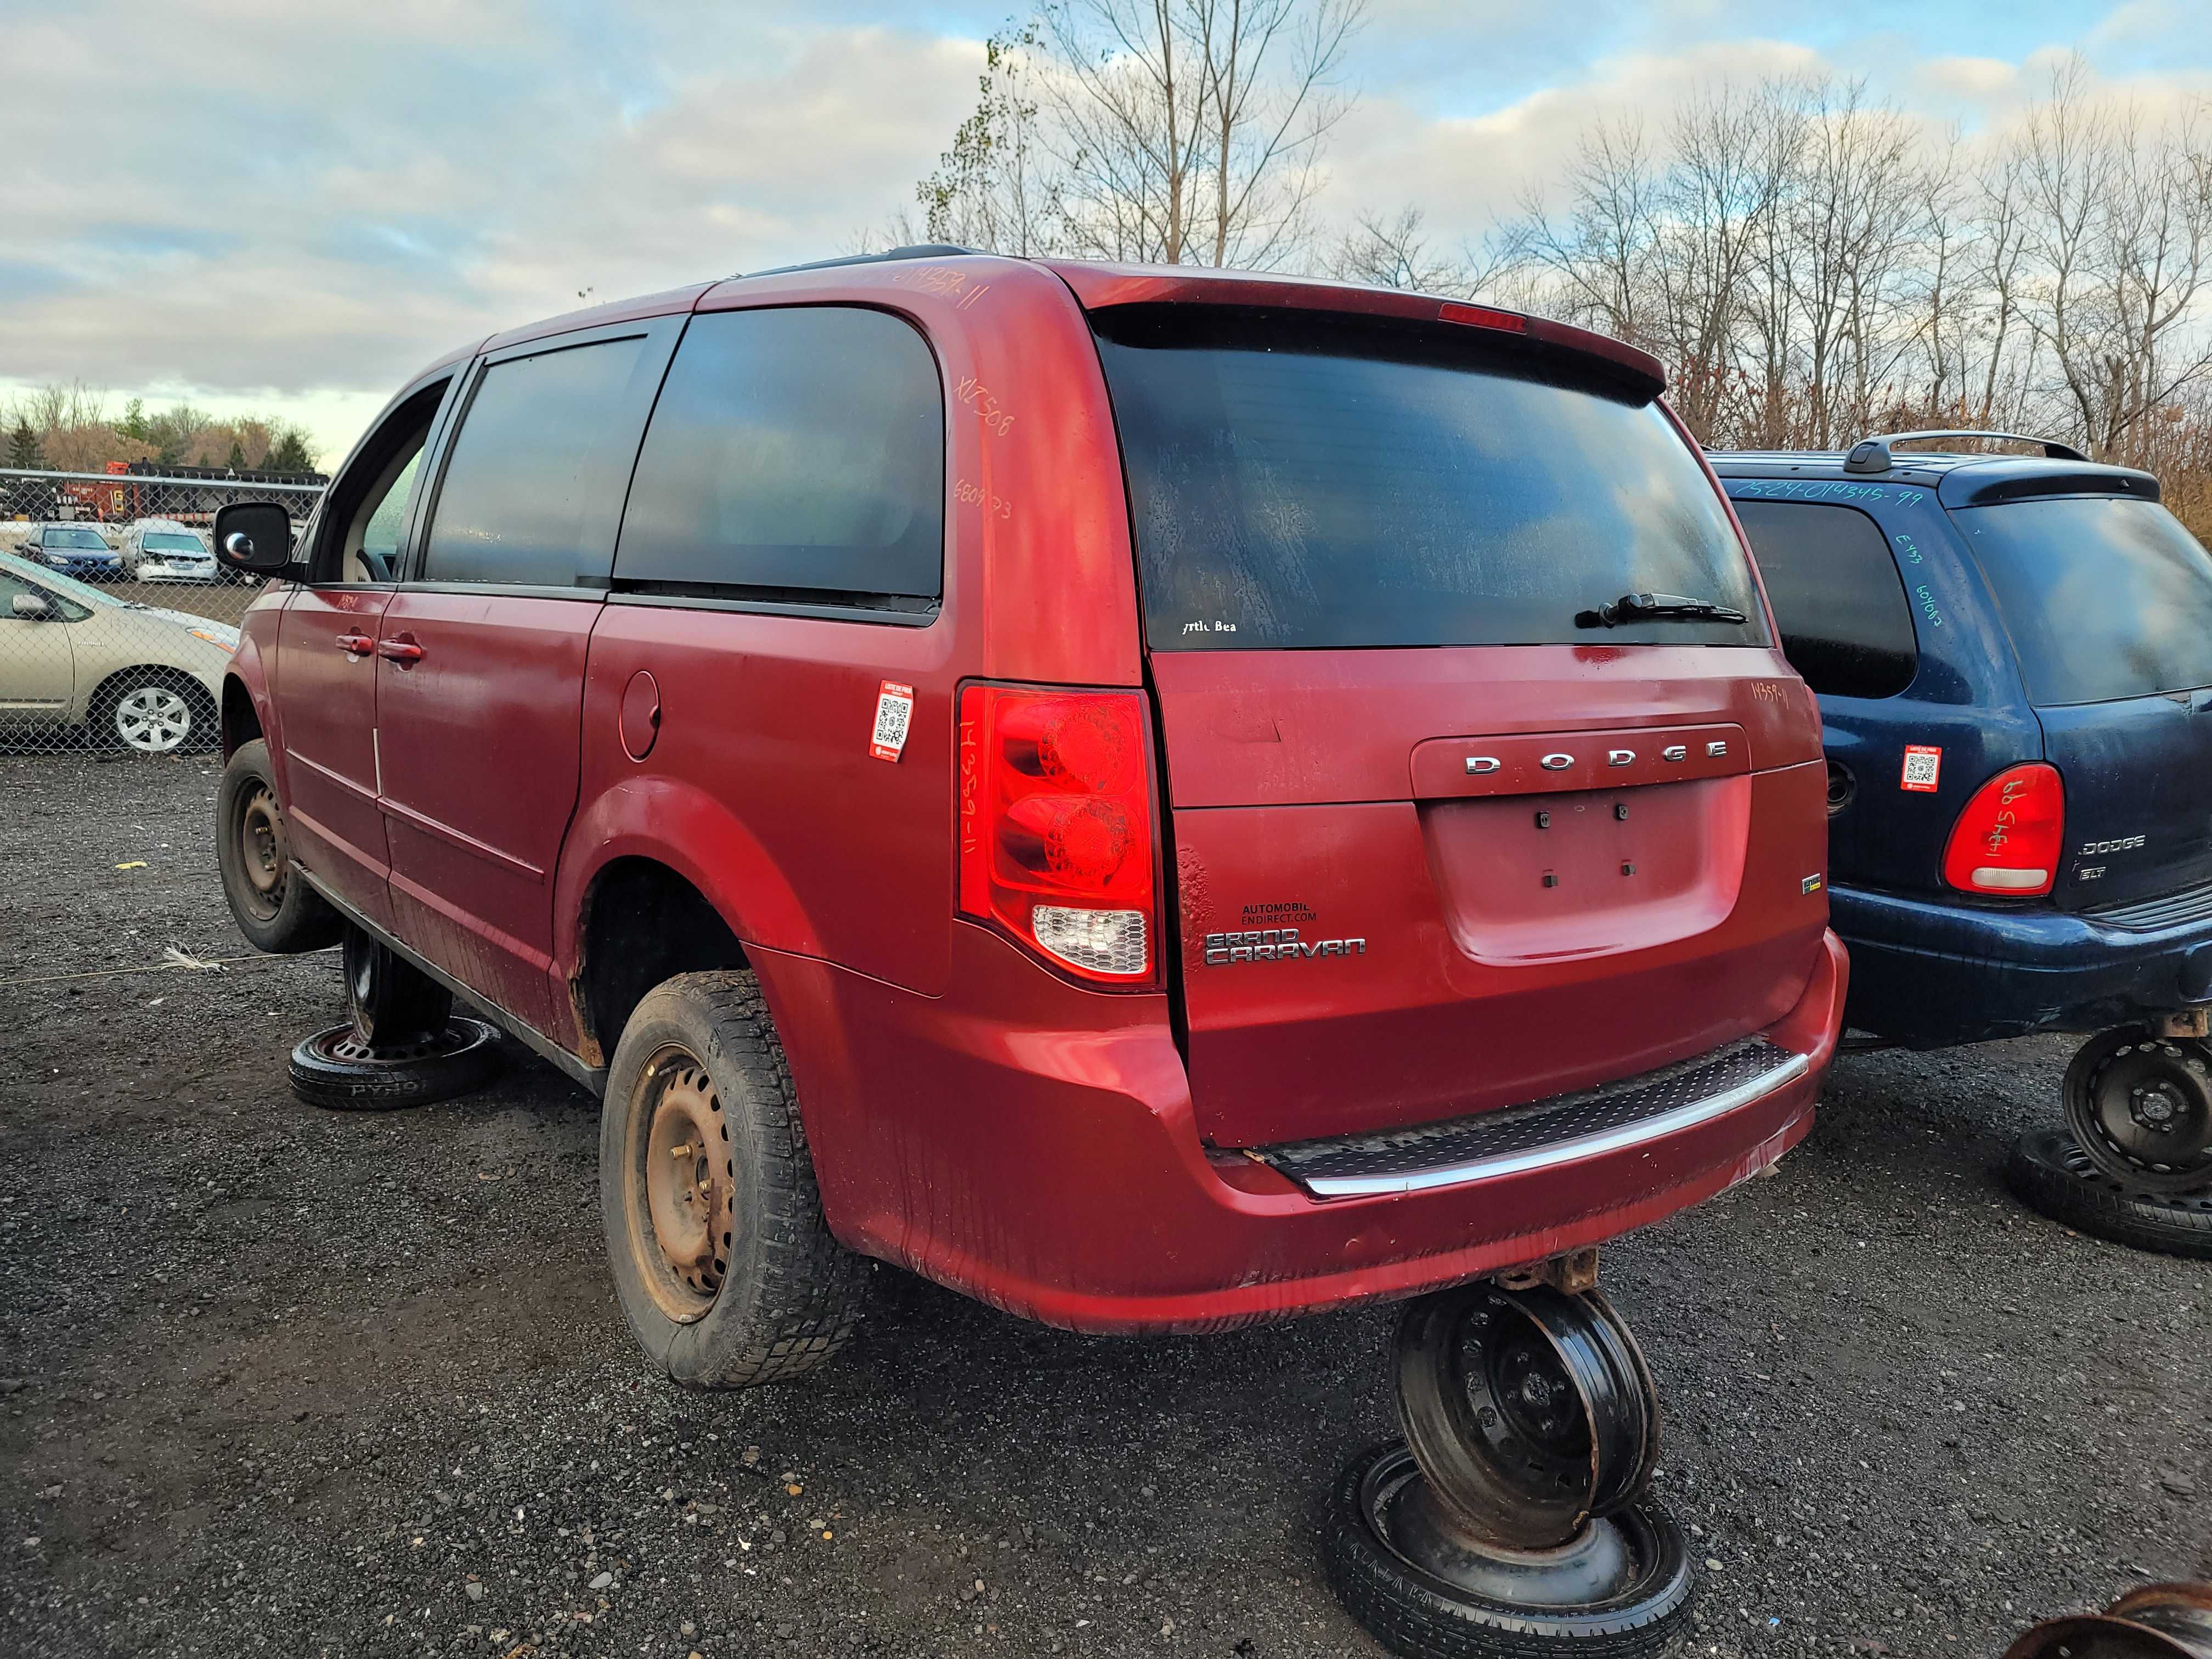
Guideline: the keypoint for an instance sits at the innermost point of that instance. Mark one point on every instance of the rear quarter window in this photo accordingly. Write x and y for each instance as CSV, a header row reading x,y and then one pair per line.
x,y
1299,481
1846,622
795,452
2103,598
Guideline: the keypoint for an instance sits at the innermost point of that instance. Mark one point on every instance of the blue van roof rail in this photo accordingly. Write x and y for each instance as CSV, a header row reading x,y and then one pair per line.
x,y
1872,454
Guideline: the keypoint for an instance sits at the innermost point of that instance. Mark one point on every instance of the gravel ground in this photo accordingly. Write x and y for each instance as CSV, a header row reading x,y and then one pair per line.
x,y
223,601
277,1380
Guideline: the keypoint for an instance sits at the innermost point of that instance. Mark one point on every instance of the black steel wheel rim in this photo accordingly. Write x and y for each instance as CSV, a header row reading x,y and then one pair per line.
x,y
344,1045
1528,1412
1387,1477
2140,1108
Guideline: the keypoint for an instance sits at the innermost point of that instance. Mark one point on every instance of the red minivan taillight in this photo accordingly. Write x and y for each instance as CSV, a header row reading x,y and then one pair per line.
x,y
1057,842
2009,837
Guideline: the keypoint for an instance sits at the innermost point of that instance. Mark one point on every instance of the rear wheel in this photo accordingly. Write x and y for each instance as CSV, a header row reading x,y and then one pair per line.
x,y
275,910
724,1269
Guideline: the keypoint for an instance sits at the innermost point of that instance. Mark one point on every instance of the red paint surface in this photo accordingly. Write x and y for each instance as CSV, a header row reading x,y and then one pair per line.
x,y
985,1119
328,697
480,746
1034,1145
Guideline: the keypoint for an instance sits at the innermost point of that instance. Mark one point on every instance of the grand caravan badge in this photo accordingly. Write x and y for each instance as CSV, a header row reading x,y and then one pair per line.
x,y
1275,945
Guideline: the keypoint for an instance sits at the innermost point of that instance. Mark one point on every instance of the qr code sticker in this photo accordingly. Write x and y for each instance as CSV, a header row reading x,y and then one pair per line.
x,y
894,713
1924,765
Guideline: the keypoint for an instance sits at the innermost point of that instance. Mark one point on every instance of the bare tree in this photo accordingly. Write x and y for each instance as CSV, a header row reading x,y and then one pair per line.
x,y
1597,253
1167,130
2119,244
994,188
1398,253
2002,238
71,425
1850,200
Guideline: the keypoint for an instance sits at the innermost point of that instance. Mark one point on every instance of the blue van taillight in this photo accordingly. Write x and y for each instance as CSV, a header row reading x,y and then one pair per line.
x,y
2009,839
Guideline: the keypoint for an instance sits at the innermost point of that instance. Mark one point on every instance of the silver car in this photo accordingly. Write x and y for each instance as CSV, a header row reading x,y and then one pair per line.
x,y
162,551
125,675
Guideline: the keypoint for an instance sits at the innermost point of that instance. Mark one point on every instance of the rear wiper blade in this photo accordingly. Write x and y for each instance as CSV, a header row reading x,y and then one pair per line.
x,y
1657,607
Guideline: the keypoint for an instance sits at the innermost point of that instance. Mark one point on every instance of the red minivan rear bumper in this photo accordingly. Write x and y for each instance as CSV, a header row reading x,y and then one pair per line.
x,y
1033,1145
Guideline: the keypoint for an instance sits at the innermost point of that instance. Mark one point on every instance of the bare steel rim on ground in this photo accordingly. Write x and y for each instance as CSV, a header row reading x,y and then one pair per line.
x,y
1532,1431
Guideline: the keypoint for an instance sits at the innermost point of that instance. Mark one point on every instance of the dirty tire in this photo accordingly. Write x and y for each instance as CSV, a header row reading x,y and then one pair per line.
x,y
278,912
784,1294
327,1069
2049,1172
1415,1614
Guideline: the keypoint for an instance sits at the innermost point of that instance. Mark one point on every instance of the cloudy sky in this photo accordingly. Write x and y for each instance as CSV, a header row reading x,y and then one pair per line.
x,y
287,208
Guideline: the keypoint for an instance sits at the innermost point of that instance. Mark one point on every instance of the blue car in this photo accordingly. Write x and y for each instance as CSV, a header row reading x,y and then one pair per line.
x,y
75,549
2013,656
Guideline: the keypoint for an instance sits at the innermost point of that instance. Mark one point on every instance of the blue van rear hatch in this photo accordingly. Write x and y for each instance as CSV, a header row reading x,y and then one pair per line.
x,y
2107,599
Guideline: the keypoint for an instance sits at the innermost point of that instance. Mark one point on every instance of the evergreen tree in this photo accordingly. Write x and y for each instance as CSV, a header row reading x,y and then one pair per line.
x,y
236,459
133,425
23,449
289,453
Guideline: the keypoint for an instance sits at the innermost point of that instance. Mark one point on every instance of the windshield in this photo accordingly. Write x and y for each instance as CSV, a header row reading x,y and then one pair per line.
x,y
86,538
156,541
1303,482
54,582
2104,598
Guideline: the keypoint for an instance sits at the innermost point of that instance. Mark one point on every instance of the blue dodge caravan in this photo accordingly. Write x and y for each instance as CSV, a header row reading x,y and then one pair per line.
x,y
2013,656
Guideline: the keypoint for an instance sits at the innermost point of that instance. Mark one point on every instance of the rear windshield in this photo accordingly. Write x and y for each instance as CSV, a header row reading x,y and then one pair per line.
x,y
2104,599
1299,484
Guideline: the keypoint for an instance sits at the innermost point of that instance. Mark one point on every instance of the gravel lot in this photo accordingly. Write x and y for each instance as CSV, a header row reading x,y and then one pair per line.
x,y
276,1379
219,601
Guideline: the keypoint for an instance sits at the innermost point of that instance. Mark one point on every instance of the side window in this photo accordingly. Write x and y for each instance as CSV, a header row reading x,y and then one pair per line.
x,y
795,452
533,484
365,514
388,517
1846,623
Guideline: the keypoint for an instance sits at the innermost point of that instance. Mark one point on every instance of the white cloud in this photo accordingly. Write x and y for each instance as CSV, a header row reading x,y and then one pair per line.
x,y
293,220
289,208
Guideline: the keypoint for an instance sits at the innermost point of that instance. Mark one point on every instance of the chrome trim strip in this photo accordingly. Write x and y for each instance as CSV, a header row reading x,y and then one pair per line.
x,y
1564,1152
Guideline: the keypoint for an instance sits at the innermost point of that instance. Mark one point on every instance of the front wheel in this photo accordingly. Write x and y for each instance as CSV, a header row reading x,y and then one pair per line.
x,y
154,711
724,1266
273,906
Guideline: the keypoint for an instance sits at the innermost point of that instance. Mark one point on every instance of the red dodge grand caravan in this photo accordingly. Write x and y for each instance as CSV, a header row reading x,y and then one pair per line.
x,y
1157,798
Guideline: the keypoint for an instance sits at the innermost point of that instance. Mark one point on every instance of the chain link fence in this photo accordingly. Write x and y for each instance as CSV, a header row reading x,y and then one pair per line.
x,y
116,621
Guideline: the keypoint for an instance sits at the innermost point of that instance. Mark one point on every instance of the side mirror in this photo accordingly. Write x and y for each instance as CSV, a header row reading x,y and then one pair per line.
x,y
31,607
255,537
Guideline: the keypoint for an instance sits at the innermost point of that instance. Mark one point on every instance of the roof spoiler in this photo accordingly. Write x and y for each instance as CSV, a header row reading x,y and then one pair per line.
x,y
1872,454
1098,286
